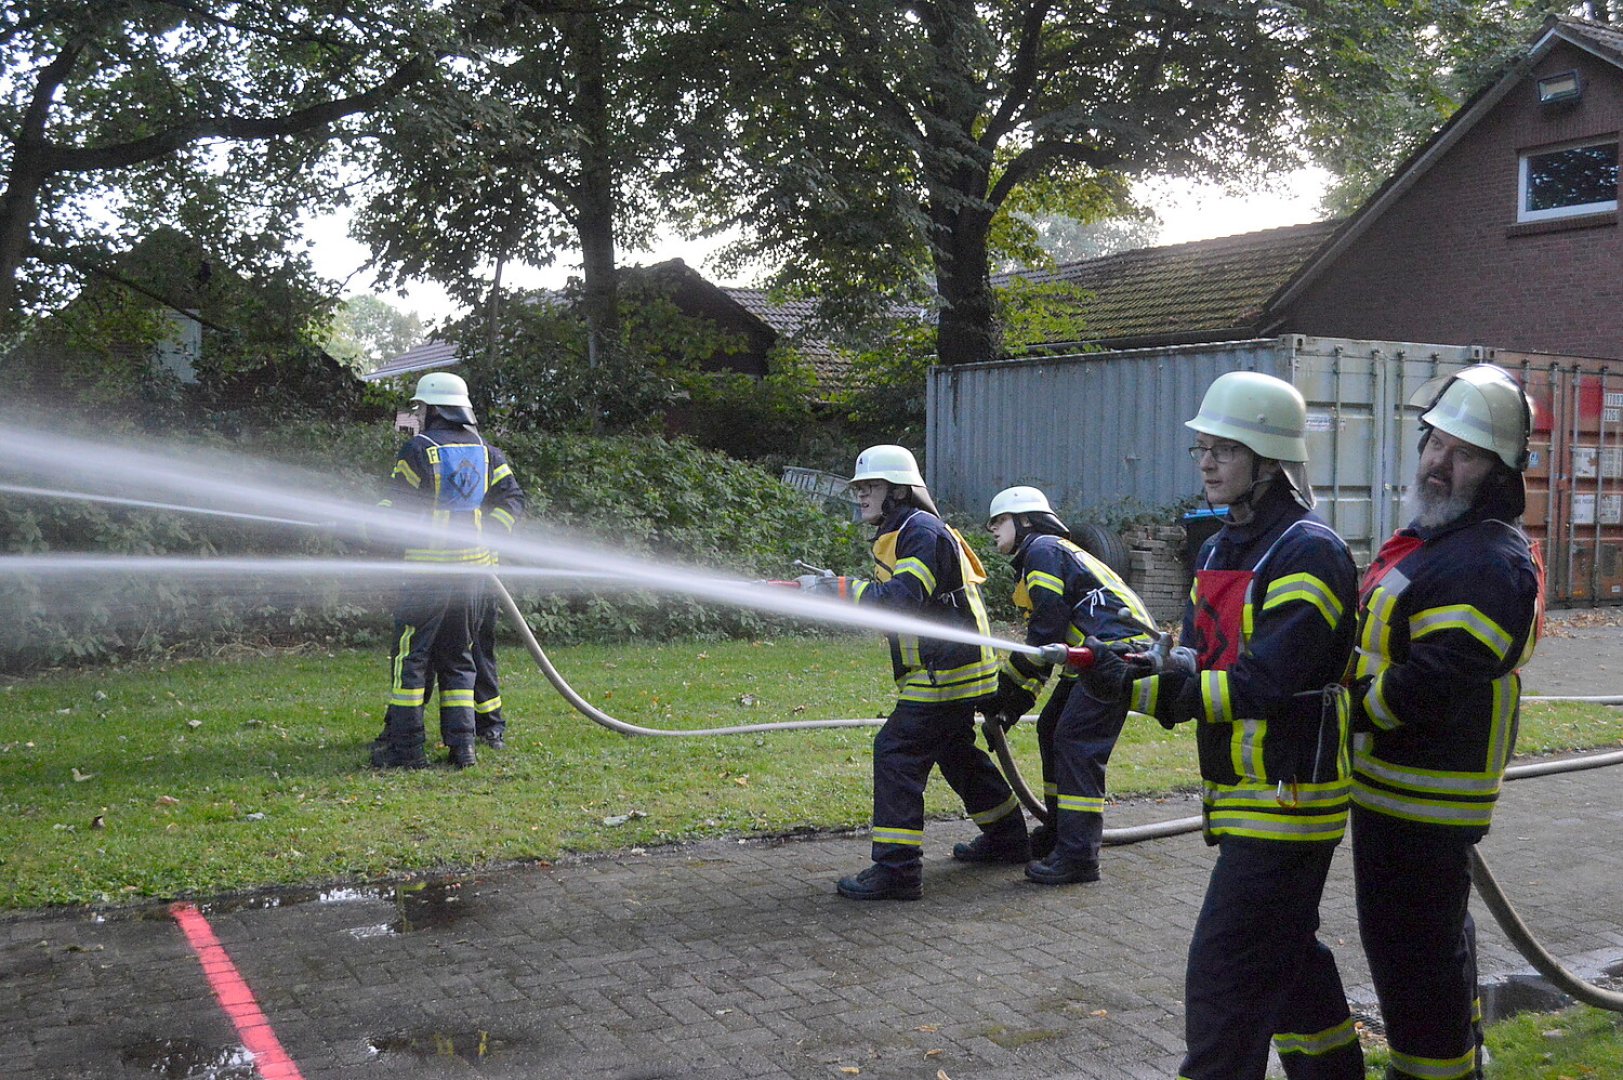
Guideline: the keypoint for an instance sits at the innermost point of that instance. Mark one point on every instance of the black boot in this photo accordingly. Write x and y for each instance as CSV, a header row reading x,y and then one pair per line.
x,y
462,756
1004,846
387,755
493,738
882,883
1042,842
1058,870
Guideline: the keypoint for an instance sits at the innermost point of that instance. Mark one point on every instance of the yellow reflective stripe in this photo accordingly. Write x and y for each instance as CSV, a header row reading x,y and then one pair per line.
x,y
1215,697
1038,579
503,471
504,517
1261,825
403,470
1461,617
1253,795
1304,587
1087,804
1375,641
407,697
1507,692
456,699
860,588
1435,1068
1031,684
918,569
448,555
488,706
1318,1042
1474,815
1050,789
1145,694
1376,706
1245,748
1438,781
1008,806
906,837
402,647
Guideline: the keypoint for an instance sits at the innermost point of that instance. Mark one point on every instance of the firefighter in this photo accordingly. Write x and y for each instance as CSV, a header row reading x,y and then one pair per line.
x,y
450,479
1067,595
1269,629
923,567
1448,612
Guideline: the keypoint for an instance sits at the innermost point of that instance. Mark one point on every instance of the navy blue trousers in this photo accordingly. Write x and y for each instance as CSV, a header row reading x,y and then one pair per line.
x,y
920,736
487,687
433,643
1084,736
1259,974
1414,886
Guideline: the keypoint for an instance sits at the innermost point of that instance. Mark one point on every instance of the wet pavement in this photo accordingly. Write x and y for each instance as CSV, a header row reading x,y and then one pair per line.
x,y
736,959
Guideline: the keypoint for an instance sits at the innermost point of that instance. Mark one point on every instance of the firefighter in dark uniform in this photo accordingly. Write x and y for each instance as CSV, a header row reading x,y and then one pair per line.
x,y
450,479
1270,624
1070,596
490,726
1448,612
924,568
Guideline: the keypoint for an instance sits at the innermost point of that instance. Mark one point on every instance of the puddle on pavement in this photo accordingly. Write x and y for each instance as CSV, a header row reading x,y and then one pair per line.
x,y
1508,995
417,905
473,1047
188,1059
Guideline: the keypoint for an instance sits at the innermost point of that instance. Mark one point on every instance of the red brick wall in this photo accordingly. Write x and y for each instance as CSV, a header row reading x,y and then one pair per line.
x,y
1446,263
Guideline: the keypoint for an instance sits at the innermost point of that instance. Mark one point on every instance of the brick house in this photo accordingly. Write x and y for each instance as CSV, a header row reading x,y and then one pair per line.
x,y
1501,230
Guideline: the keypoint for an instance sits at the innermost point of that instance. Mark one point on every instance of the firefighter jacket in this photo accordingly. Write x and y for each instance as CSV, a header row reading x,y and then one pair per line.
x,y
456,483
923,567
1068,595
1446,617
1271,619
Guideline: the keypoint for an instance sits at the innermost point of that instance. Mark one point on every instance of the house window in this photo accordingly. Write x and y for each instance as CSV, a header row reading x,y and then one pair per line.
x,y
1566,181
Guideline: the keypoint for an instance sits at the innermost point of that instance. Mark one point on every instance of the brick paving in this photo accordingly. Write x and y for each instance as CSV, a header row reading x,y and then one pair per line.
x,y
731,960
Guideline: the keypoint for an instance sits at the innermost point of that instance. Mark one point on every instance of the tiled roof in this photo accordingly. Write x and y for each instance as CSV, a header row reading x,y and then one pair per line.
x,y
788,319
1609,38
425,357
1201,290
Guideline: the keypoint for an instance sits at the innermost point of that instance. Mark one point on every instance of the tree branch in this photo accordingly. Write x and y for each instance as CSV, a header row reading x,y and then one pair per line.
x,y
1022,76
123,155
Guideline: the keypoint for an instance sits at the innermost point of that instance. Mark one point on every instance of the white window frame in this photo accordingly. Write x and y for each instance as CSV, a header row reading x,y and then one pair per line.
x,y
1524,214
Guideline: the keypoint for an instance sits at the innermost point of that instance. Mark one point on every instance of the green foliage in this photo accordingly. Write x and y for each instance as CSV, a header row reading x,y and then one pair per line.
x,y
646,495
366,330
1580,1042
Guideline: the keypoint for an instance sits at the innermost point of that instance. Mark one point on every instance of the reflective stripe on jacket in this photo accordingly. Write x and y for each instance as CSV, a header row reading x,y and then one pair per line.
x,y
922,567
456,482
1273,724
1068,595
1446,618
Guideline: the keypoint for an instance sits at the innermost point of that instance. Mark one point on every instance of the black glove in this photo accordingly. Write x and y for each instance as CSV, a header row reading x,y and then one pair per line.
x,y
1112,670
1011,702
1177,698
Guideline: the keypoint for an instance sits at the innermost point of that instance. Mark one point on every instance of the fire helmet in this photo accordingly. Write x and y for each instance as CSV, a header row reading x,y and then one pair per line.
x,y
894,464
1026,500
1265,414
442,388
1484,406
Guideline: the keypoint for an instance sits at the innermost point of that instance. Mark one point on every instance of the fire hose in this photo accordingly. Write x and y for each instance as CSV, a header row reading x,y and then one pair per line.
x,y
1486,884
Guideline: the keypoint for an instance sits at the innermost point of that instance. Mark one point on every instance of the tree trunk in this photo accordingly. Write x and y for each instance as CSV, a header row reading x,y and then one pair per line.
x,y
594,198
967,330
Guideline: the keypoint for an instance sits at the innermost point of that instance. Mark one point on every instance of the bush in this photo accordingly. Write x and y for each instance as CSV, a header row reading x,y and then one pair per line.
x,y
640,495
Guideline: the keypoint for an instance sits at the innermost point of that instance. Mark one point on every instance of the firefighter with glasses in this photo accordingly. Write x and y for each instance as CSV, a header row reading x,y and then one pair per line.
x,y
451,481
1069,596
922,567
1448,612
1265,641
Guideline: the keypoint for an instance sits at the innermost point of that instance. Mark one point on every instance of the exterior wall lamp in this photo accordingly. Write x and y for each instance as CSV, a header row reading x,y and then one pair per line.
x,y
1558,88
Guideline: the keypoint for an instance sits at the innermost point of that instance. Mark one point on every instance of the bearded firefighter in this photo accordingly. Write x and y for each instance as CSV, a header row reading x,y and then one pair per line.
x,y
1448,613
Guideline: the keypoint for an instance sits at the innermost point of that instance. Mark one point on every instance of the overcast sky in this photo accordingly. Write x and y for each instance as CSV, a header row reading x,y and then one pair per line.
x,y
1187,213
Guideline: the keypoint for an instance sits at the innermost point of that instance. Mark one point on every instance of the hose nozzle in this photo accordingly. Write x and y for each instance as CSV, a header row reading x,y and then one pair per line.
x,y
1077,656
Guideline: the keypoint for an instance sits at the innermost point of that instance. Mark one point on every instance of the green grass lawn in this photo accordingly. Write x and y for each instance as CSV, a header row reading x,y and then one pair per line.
x,y
201,777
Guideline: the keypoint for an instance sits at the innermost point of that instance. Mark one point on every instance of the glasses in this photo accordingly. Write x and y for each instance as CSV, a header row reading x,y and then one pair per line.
x,y
1222,453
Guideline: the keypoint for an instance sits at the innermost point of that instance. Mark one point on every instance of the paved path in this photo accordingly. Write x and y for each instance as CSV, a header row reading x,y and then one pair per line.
x,y
728,960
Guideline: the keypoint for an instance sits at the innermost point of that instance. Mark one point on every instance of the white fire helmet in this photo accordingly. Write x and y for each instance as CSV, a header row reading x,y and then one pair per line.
x,y
887,462
1484,406
1266,414
442,388
1018,500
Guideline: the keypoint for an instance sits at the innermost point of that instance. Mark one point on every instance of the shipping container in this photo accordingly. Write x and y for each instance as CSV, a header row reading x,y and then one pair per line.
x,y
1104,431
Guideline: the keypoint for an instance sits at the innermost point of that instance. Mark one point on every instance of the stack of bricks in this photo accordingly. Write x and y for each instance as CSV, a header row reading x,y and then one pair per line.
x,y
1159,575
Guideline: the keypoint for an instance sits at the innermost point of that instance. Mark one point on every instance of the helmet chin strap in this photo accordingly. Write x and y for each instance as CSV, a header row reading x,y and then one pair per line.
x,y
1248,500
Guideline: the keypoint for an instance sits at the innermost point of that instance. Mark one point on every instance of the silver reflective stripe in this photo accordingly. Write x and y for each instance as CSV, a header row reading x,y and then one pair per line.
x,y
1452,783
1424,810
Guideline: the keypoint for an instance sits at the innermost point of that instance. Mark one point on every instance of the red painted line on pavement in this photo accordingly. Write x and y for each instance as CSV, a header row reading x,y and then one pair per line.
x,y
232,992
